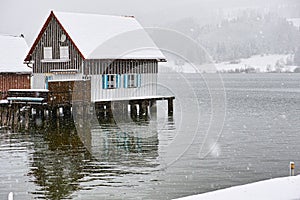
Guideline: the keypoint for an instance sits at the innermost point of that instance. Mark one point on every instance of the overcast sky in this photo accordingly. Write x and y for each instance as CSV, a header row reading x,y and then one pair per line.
x,y
27,16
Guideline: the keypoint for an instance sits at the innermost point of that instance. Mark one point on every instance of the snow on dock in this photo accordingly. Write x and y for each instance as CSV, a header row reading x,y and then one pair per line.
x,y
286,188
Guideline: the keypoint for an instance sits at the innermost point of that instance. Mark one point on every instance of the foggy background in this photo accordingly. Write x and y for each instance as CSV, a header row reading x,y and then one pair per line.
x,y
228,29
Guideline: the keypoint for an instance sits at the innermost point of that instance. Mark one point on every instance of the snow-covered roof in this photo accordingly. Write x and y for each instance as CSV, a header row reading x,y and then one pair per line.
x,y
108,37
13,50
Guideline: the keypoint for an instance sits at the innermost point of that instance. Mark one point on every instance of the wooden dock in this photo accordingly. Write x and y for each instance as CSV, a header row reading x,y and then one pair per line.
x,y
26,108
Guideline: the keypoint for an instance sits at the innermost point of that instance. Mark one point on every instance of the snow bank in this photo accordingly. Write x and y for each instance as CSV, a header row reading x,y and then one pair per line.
x,y
286,188
258,62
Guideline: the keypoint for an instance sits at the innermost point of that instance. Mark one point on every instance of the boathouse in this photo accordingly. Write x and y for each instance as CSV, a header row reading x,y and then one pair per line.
x,y
101,58
13,73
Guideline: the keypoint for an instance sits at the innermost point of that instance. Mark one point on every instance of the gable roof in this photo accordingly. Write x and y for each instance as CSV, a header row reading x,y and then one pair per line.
x,y
12,52
106,37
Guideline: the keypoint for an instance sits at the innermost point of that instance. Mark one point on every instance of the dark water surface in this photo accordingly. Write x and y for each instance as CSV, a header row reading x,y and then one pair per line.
x,y
161,158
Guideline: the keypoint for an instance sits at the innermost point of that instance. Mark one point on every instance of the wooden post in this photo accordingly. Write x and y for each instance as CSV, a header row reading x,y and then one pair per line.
x,y
170,106
1,112
42,113
140,108
133,110
7,115
153,109
292,168
27,118
2,119
143,108
108,110
13,115
67,112
100,111
18,117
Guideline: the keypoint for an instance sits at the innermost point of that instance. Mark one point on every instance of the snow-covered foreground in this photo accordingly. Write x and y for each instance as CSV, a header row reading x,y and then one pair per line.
x,y
286,188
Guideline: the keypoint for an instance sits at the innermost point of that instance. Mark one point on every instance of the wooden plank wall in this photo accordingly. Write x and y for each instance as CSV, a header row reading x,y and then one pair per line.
x,y
106,66
13,81
52,38
66,92
148,88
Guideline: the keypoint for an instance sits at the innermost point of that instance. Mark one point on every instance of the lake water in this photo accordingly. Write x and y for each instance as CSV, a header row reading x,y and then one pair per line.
x,y
226,131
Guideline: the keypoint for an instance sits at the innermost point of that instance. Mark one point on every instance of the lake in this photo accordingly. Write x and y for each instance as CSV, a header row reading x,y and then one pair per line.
x,y
227,130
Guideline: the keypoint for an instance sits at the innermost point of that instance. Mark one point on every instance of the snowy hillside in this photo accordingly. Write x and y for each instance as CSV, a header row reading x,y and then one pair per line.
x,y
259,63
264,63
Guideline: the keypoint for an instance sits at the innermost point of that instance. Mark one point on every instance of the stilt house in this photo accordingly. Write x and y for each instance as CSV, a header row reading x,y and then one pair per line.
x,y
114,53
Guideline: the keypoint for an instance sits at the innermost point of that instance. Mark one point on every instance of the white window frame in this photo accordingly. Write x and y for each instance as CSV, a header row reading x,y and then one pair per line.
x,y
64,52
111,81
131,80
48,53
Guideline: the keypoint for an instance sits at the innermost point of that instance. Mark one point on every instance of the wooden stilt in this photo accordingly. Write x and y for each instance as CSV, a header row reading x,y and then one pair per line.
x,y
153,109
170,106
133,110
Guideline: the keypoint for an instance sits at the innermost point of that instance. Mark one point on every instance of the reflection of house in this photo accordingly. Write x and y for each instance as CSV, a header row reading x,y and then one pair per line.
x,y
61,165
13,73
112,142
113,53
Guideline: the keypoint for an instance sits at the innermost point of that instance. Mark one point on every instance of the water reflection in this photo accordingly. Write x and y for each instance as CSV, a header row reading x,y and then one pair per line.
x,y
68,156
57,161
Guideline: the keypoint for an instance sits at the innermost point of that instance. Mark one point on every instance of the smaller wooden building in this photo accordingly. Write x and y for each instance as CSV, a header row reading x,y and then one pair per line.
x,y
13,73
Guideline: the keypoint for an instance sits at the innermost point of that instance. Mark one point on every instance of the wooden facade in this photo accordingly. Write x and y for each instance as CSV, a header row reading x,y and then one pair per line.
x,y
96,69
119,66
51,36
104,78
65,92
13,81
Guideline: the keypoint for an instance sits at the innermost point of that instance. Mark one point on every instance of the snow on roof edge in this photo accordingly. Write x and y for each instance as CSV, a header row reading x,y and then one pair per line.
x,y
69,23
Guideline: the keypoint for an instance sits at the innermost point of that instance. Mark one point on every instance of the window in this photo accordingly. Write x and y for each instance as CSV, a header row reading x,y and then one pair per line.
x,y
132,80
111,81
47,53
64,52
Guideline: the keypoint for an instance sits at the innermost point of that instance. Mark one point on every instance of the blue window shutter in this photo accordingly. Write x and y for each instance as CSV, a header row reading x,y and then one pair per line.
x,y
139,80
47,79
46,82
118,81
125,80
119,86
104,81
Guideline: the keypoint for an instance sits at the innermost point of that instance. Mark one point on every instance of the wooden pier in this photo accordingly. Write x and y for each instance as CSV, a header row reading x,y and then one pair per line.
x,y
25,108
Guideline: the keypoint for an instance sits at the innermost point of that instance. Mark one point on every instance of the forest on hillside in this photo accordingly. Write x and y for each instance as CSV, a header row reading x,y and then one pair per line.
x,y
250,33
